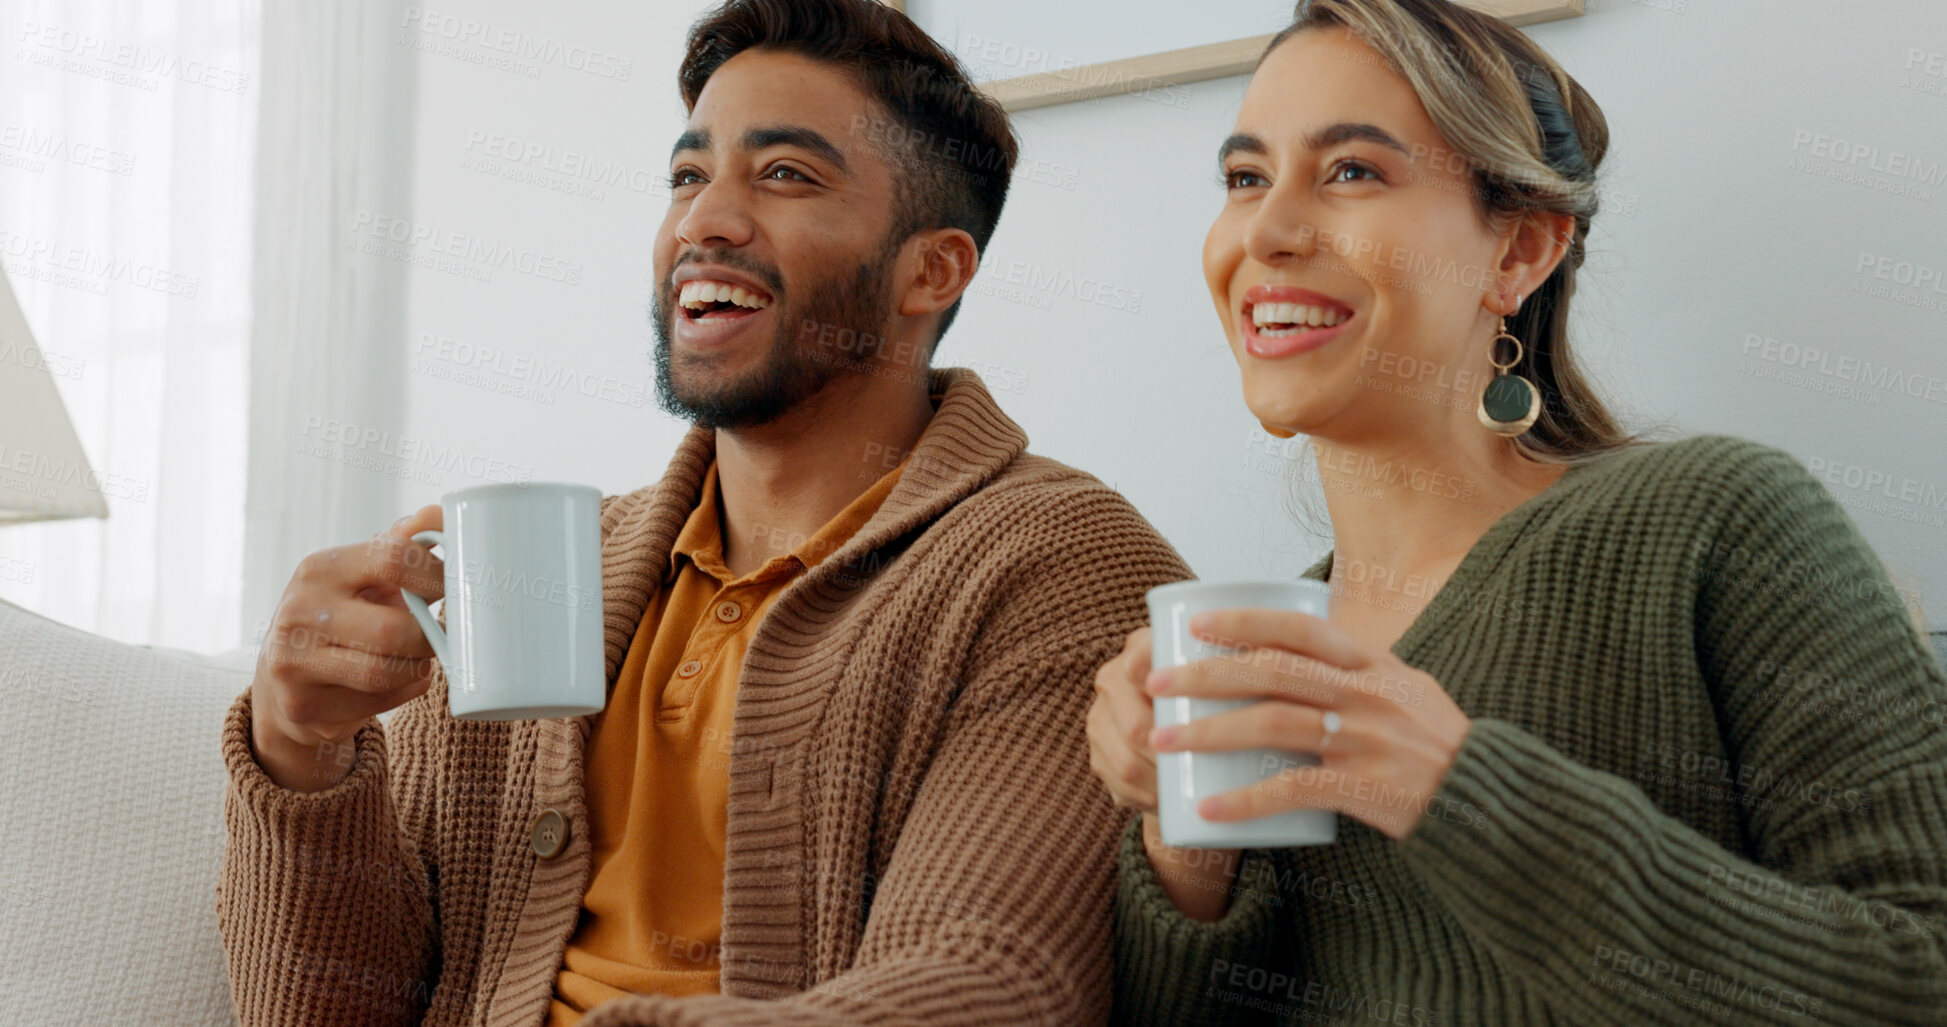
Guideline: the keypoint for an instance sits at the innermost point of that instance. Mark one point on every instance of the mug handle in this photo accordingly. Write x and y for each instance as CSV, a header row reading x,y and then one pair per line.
x,y
420,611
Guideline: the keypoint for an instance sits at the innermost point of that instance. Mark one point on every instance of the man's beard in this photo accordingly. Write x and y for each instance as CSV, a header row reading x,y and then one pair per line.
x,y
855,307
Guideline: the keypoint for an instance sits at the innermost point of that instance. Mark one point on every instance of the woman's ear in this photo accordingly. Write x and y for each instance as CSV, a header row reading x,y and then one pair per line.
x,y
1533,248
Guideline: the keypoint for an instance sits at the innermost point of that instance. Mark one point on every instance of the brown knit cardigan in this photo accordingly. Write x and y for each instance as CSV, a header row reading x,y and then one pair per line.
x,y
914,836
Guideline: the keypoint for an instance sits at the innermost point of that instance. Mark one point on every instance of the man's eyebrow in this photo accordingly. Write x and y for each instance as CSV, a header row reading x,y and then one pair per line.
x,y
800,137
694,139
1330,135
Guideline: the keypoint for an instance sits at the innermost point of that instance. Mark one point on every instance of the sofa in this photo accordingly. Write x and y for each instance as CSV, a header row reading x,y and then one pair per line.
x,y
113,814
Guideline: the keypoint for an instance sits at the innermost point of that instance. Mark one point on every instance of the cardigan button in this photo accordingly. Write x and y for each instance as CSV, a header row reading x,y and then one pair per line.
x,y
550,834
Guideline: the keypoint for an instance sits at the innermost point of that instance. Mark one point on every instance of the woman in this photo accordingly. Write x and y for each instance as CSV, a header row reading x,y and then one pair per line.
x,y
1620,730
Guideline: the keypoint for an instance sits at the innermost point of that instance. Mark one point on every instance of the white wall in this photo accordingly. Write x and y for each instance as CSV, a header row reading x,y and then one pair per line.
x,y
1090,319
580,210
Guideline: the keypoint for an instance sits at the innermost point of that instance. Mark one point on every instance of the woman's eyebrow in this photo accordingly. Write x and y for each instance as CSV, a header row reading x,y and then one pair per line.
x,y
1242,142
1330,135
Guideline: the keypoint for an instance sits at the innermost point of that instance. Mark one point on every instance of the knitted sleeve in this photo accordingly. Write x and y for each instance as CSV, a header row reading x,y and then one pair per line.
x,y
1831,710
1168,966
997,904
328,901
323,900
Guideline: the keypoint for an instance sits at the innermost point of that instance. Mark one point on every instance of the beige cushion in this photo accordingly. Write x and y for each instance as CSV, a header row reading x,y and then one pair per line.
x,y
113,817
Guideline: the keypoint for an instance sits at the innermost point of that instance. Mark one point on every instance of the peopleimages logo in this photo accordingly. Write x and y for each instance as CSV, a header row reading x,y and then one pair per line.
x,y
409,451
568,164
1877,491
61,365
139,66
1902,281
1003,59
1848,368
1045,280
1902,272
1871,158
92,270
1674,980
507,372
37,473
483,581
1867,479
517,44
35,147
414,242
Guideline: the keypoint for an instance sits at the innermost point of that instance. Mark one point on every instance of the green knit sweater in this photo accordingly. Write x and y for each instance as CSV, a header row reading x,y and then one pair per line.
x,y
1706,784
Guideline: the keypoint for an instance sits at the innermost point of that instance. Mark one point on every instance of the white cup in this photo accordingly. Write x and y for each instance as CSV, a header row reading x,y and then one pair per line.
x,y
523,637
1185,778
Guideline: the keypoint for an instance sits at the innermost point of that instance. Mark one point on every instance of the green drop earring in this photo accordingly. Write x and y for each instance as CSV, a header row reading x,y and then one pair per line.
x,y
1510,404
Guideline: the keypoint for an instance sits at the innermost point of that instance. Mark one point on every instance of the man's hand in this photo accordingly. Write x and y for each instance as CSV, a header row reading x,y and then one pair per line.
x,y
342,647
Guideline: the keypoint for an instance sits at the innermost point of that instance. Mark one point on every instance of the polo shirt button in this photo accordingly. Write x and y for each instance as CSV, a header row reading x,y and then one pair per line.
x,y
728,612
690,668
550,834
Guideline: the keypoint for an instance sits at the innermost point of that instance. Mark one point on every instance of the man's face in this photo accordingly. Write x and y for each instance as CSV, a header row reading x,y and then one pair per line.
x,y
773,264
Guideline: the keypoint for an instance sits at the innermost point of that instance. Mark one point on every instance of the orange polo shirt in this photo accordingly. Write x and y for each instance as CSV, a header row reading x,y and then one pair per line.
x,y
657,769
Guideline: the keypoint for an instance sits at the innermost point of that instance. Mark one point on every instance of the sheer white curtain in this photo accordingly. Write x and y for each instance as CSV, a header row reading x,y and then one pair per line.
x,y
127,143
327,386
180,183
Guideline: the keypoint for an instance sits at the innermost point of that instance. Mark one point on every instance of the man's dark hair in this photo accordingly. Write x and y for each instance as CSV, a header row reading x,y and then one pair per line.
x,y
951,146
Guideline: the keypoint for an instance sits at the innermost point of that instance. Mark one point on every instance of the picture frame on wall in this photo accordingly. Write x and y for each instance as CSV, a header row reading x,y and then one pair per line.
x,y
1151,72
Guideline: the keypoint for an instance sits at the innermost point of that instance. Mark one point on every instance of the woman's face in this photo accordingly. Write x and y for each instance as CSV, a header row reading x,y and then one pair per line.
x,y
1346,210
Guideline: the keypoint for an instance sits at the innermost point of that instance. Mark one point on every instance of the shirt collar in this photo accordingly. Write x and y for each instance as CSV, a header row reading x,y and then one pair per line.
x,y
701,540
969,443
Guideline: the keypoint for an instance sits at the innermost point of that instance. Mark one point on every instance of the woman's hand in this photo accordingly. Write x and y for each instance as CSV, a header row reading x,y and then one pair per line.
x,y
1397,730
1198,881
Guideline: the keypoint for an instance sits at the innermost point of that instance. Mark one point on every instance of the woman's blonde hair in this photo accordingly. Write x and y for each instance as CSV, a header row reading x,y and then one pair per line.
x,y
1531,138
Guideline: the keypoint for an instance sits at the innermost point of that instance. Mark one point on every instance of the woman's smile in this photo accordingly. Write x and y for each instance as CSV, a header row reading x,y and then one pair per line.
x,y
1281,320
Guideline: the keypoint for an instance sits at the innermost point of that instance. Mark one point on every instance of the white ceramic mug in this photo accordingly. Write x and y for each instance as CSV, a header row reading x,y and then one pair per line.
x,y
523,637
1185,778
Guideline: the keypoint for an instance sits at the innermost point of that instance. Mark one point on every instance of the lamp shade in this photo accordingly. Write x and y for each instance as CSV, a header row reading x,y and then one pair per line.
x,y
44,475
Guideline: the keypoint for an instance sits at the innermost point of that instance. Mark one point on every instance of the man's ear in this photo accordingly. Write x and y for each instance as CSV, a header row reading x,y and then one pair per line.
x,y
936,268
1530,254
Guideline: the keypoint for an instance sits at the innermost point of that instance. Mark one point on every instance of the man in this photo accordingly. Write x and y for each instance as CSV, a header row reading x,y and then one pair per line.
x,y
841,776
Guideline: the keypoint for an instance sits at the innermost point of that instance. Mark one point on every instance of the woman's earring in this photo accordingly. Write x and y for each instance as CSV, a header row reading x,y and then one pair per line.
x,y
1511,404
